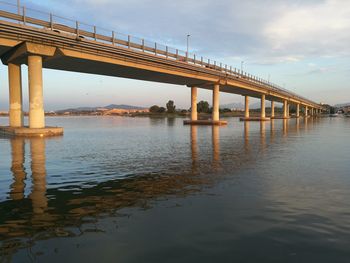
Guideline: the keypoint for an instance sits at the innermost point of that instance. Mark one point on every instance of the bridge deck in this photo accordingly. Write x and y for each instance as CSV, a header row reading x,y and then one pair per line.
x,y
87,52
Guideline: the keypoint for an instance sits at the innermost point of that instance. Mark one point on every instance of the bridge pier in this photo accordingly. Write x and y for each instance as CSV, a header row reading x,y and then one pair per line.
x,y
298,111
306,111
215,120
36,99
262,106
16,118
246,106
262,111
285,109
33,55
216,95
194,115
272,109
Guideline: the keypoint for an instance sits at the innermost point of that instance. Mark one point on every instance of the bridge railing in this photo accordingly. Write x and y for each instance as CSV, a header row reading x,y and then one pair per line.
x,y
59,24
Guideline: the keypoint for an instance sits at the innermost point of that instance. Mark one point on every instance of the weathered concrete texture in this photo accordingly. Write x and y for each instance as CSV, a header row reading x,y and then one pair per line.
x,y
254,119
29,132
36,99
15,94
204,122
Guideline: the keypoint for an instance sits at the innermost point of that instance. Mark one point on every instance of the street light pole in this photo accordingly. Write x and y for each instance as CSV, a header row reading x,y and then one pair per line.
x,y
188,37
242,62
19,7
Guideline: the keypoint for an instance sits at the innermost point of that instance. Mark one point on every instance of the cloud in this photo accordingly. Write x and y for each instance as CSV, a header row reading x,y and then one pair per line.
x,y
321,29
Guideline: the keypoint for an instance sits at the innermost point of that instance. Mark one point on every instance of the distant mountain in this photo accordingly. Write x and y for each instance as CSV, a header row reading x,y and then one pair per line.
x,y
123,107
233,105
108,107
240,106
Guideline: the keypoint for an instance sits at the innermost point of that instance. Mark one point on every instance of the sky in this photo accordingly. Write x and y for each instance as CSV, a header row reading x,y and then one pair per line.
x,y
302,45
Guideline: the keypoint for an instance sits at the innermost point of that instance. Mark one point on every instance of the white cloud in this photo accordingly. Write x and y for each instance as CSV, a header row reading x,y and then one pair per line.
x,y
315,30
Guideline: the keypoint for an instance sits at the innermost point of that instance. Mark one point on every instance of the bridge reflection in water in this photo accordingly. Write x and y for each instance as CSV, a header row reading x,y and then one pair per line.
x,y
48,213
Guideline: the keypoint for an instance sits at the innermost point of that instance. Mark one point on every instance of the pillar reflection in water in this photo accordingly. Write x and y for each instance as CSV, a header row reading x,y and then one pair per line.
x,y
272,130
285,127
194,145
246,136
38,194
305,124
216,145
263,135
297,125
17,169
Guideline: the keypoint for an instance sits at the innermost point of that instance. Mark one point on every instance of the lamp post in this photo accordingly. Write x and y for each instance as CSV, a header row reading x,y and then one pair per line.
x,y
188,40
19,7
242,62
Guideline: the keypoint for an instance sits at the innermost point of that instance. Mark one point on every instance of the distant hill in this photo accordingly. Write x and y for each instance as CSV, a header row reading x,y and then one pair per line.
x,y
240,106
108,107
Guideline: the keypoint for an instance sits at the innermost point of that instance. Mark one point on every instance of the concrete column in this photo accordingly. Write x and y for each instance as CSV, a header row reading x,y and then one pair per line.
x,y
285,109
194,103
272,109
288,108
215,114
36,99
306,111
246,106
298,110
262,114
15,95
312,112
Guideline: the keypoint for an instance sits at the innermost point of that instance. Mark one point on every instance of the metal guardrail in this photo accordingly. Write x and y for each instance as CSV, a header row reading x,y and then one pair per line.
x,y
27,16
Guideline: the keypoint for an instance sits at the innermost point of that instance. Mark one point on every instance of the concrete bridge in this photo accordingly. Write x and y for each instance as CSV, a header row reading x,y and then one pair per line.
x,y
53,42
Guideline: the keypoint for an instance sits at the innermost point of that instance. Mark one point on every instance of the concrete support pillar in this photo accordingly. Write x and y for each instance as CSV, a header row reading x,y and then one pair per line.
x,y
246,107
306,111
215,114
298,110
262,114
36,99
272,109
194,103
285,109
312,112
15,95
288,108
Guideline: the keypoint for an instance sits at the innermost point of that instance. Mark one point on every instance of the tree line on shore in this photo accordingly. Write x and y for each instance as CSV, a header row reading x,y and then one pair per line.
x,y
202,107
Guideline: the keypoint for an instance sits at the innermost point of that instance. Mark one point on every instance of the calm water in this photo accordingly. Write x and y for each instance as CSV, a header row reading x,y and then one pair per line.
x,y
152,190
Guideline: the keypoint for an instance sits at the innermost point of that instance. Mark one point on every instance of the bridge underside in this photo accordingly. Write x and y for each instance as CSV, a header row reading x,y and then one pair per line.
x,y
41,48
83,62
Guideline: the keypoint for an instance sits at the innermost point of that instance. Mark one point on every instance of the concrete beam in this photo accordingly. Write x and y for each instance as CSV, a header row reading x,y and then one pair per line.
x,y
19,54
